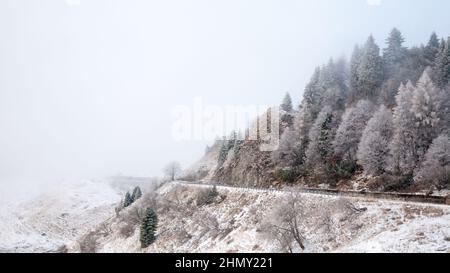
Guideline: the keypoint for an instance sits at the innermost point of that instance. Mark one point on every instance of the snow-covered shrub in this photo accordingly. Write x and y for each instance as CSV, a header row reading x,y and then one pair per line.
x,y
207,196
88,243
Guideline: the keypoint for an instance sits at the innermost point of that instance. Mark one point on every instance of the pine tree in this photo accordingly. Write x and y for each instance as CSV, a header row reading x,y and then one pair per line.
x,y
303,122
373,148
223,153
395,53
325,138
286,105
320,140
355,62
128,200
441,69
370,71
137,193
312,97
213,193
148,228
432,49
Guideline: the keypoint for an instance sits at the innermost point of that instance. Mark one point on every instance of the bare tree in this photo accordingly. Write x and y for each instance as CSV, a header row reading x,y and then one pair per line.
x,y
172,170
285,223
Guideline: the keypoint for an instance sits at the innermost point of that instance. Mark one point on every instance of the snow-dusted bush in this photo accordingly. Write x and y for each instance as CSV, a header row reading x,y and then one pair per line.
x,y
373,149
207,196
88,243
435,170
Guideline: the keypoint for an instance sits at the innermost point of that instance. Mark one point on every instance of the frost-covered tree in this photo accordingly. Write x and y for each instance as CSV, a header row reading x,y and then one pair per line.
x,y
148,228
286,113
349,133
394,53
286,105
370,70
335,98
298,137
288,147
320,140
373,150
172,170
285,223
402,148
441,69
435,170
420,116
312,96
429,106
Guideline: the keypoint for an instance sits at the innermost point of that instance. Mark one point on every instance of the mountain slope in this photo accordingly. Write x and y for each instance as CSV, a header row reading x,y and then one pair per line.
x,y
234,222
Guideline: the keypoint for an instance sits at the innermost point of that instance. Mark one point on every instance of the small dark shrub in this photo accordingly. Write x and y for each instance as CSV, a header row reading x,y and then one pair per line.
x,y
286,175
207,196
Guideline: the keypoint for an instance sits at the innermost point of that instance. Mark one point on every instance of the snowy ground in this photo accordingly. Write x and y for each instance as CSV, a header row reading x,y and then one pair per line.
x,y
233,225
62,216
55,218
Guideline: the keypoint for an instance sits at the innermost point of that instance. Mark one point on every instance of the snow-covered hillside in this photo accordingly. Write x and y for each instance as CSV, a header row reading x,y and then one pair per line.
x,y
55,218
66,216
233,224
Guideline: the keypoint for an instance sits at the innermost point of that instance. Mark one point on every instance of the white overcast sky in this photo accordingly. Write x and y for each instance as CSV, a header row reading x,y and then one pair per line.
x,y
87,86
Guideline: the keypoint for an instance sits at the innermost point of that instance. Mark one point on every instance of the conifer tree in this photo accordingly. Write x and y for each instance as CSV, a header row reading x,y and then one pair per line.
x,y
431,50
320,140
137,193
370,70
395,53
128,200
148,228
286,105
213,193
441,69
355,62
